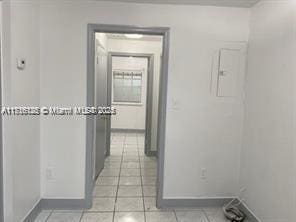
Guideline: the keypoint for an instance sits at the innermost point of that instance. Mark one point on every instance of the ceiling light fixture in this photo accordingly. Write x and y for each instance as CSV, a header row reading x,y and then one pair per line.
x,y
134,36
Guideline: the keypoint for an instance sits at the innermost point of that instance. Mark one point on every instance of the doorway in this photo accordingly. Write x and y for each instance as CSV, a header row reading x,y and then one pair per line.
x,y
91,121
141,104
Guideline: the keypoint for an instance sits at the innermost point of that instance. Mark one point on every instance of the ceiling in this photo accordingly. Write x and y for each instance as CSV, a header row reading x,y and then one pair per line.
x,y
229,3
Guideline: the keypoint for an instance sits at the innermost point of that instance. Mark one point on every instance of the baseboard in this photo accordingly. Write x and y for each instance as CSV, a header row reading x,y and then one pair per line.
x,y
193,203
127,130
34,213
56,204
250,215
65,204
205,202
80,204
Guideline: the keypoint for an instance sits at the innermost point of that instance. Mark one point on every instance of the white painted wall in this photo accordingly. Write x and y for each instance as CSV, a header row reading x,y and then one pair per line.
x,y
21,140
7,150
209,136
147,47
1,161
130,116
268,155
201,132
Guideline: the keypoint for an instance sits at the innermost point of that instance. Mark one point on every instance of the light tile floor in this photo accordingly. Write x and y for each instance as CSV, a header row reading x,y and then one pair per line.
x,y
125,191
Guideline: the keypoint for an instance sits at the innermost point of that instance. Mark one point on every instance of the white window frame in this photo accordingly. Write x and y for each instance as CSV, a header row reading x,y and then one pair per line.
x,y
127,103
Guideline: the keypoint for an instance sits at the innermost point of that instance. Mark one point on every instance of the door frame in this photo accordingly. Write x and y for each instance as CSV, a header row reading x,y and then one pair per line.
x,y
161,128
1,143
149,95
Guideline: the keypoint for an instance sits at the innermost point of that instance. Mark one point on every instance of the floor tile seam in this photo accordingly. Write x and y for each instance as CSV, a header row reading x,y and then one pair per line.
x,y
144,207
49,216
115,202
175,216
206,215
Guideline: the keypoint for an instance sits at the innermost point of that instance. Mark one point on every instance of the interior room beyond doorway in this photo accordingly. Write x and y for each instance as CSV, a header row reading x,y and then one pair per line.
x,y
127,73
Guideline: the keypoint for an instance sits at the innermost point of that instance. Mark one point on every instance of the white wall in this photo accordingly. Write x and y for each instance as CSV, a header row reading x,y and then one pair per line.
x,y
130,116
203,132
147,47
21,141
208,136
1,160
7,150
268,155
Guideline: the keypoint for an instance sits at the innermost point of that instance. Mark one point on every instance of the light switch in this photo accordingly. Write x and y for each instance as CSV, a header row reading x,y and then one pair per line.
x,y
175,104
228,72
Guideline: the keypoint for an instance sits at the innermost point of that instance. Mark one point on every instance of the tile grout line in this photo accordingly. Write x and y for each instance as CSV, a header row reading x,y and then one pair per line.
x,y
121,211
116,196
144,207
174,211
205,214
82,214
49,216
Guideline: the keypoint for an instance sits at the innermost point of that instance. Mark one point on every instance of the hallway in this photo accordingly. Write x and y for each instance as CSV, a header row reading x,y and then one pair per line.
x,y
125,191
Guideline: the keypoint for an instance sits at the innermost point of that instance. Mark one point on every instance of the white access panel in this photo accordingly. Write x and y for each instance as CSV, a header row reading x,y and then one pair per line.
x,y
228,72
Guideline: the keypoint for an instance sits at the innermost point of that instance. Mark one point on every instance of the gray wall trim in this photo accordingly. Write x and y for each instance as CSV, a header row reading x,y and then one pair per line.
x,y
161,129
74,204
163,31
64,204
128,29
149,105
109,99
90,129
194,203
34,213
115,130
207,202
1,147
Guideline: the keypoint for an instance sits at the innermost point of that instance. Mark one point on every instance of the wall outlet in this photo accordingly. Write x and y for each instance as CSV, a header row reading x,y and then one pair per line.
x,y
203,173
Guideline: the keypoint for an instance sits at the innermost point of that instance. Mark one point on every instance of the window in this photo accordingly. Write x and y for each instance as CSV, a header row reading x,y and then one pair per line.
x,y
127,86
